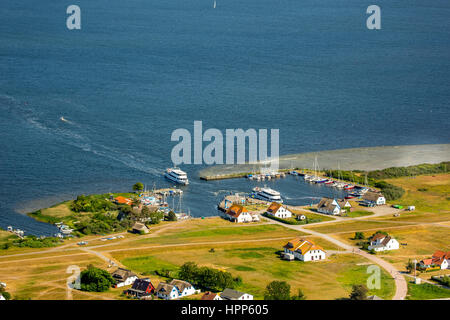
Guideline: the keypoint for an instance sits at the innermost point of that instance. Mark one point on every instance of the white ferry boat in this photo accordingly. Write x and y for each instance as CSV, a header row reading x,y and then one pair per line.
x,y
176,175
267,194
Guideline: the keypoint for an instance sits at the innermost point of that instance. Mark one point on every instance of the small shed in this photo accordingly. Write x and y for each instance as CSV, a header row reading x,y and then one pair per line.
x,y
140,228
411,208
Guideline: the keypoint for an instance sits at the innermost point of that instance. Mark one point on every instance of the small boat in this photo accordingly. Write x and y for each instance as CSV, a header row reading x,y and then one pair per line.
x,y
329,181
349,186
320,180
349,197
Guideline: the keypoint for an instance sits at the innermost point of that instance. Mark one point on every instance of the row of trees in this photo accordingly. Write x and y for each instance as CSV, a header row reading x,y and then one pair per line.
x,y
206,277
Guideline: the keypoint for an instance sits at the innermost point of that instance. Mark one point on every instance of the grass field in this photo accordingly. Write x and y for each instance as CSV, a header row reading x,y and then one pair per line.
x,y
426,291
426,193
258,265
349,226
416,242
358,213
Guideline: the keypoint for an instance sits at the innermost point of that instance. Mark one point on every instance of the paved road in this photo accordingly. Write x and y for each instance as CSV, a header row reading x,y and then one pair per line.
x,y
400,282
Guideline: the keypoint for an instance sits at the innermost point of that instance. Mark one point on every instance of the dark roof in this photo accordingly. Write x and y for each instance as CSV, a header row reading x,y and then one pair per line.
x,y
141,284
230,294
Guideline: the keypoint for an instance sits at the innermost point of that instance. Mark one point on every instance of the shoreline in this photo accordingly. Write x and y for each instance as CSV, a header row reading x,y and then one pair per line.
x,y
352,159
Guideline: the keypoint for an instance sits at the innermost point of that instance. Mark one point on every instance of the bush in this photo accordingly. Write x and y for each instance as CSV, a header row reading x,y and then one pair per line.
x,y
278,290
171,216
34,242
96,280
91,204
206,277
359,236
359,292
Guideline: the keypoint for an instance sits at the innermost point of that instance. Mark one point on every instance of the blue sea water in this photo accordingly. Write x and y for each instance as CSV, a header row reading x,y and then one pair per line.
x,y
137,70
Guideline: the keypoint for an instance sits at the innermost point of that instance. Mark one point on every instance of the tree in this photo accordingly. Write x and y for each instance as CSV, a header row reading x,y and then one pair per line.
x,y
96,279
188,271
300,295
410,266
145,212
156,217
359,292
171,216
277,290
138,186
359,236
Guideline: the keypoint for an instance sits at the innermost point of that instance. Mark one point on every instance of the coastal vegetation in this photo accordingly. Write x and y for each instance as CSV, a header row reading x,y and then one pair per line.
x,y
421,169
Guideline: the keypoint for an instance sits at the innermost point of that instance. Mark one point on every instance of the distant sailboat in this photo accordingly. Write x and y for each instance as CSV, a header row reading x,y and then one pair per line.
x,y
63,119
215,4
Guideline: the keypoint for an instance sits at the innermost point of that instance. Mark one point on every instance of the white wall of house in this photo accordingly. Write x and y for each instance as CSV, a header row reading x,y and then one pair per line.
x,y
391,245
334,212
282,212
381,201
129,281
445,264
246,296
311,255
244,217
188,291
172,295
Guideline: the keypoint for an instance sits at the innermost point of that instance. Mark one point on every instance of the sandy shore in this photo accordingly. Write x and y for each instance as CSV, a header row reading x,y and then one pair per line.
x,y
373,158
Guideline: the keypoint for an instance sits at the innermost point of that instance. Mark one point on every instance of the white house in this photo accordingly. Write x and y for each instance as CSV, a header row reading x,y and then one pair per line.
x,y
2,297
230,294
329,206
278,210
375,198
123,277
238,213
184,288
167,291
304,250
381,242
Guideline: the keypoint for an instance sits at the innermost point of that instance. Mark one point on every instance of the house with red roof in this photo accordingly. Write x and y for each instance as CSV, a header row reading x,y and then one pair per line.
x,y
238,213
440,259
276,209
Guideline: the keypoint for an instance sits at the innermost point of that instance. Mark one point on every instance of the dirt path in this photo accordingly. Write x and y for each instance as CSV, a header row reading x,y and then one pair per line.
x,y
400,282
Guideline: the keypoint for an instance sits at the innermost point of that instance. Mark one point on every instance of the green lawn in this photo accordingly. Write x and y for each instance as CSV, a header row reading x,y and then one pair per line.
x,y
359,213
426,291
359,275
